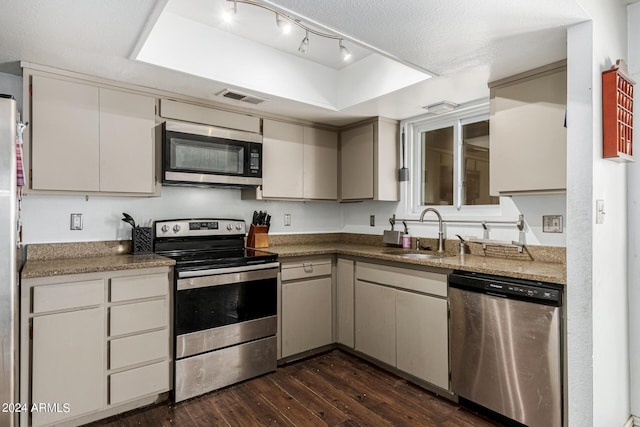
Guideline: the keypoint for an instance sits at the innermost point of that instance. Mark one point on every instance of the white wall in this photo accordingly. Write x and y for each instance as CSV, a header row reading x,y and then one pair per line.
x,y
633,213
597,315
12,85
46,218
579,312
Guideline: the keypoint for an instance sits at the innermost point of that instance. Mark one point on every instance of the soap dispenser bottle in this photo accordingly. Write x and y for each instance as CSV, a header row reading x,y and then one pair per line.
x,y
406,238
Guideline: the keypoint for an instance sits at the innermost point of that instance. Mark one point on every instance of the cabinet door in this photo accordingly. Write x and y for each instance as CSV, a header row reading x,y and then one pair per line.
x,y
528,140
306,315
127,154
320,174
282,163
375,319
344,302
422,337
68,363
65,136
356,163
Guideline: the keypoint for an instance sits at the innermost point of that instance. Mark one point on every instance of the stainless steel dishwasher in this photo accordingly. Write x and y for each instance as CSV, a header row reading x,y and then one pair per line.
x,y
506,349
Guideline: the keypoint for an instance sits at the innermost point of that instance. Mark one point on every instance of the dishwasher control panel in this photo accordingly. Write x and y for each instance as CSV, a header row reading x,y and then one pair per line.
x,y
523,290
544,293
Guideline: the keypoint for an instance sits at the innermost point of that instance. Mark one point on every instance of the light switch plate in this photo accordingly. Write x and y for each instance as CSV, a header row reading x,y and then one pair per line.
x,y
552,223
287,220
600,211
76,221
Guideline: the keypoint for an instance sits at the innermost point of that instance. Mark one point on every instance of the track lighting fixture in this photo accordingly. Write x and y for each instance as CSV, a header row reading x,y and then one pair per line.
x,y
304,44
230,12
285,23
346,54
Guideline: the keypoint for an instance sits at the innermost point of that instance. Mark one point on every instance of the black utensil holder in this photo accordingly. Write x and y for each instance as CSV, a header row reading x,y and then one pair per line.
x,y
141,237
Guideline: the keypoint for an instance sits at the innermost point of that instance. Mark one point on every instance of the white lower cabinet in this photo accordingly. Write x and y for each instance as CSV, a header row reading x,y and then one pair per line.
x,y
422,337
93,342
401,319
68,363
345,276
306,312
376,321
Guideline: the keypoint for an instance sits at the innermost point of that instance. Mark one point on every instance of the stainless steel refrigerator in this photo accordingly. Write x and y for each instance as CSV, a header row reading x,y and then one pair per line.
x,y
8,260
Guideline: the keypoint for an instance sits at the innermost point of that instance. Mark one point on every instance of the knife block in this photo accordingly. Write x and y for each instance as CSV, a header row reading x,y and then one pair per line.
x,y
258,237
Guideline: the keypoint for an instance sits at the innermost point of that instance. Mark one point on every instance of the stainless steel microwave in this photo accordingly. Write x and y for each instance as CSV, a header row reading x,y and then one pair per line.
x,y
203,155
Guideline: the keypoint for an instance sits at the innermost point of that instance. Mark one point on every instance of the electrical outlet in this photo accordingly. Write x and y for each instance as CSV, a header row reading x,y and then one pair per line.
x,y
76,221
552,223
287,220
372,220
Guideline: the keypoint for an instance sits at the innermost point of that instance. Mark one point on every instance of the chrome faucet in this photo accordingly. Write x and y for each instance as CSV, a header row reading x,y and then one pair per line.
x,y
440,228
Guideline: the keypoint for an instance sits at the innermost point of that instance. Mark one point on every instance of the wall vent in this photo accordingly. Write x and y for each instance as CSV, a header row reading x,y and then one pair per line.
x,y
239,96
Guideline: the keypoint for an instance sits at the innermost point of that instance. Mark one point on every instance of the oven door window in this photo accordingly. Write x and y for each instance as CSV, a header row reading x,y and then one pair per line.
x,y
207,157
210,307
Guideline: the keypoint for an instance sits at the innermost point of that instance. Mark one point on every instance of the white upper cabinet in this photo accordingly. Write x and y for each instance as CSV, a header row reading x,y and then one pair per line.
x,y
528,137
91,139
65,136
320,172
126,142
282,160
369,161
170,109
298,163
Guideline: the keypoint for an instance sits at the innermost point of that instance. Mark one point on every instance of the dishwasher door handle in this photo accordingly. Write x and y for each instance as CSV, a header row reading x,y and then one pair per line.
x,y
493,294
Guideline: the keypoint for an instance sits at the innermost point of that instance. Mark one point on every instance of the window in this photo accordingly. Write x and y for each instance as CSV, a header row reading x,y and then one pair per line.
x,y
452,159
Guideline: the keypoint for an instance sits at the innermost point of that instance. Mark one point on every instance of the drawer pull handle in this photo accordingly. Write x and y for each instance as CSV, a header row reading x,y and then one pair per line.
x,y
308,267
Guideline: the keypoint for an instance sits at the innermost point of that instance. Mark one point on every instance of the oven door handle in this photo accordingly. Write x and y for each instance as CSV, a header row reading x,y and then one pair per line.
x,y
224,276
226,270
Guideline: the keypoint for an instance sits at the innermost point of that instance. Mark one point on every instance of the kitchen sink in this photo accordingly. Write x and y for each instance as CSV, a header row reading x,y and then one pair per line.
x,y
410,254
424,256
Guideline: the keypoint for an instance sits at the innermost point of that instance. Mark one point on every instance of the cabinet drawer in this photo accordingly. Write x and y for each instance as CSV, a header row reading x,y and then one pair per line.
x,y
67,295
135,287
138,349
306,269
414,280
138,382
125,319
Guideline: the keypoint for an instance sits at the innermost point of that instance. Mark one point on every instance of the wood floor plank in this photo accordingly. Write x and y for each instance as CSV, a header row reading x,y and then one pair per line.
x,y
316,404
281,400
232,409
332,389
370,395
202,412
351,406
266,413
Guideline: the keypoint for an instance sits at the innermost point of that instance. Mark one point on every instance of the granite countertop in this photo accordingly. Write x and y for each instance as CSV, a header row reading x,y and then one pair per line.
x,y
517,268
89,257
91,264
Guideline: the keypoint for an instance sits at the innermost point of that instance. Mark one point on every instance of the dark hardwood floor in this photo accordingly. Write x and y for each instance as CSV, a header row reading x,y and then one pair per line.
x,y
333,389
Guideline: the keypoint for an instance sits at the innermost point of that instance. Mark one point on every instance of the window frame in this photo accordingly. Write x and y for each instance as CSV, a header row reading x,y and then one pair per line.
x,y
412,129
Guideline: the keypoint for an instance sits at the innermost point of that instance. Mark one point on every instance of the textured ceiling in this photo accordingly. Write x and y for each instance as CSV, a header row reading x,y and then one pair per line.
x,y
466,42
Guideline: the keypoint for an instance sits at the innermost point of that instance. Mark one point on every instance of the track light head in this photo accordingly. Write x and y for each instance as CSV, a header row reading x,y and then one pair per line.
x,y
283,24
230,12
304,44
346,54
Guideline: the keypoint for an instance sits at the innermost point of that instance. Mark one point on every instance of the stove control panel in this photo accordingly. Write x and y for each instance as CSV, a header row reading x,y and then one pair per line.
x,y
199,227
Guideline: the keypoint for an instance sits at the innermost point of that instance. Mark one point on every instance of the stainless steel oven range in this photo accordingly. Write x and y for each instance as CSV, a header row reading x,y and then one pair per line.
x,y
225,304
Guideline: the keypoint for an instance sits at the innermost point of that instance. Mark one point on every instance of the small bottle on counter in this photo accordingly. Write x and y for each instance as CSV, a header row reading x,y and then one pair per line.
x,y
406,241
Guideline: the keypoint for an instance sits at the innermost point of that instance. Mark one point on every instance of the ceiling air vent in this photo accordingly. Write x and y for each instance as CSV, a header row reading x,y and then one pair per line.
x,y
239,96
